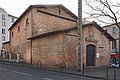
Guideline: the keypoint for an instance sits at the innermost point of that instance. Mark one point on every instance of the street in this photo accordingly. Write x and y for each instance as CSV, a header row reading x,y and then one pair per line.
x,y
11,72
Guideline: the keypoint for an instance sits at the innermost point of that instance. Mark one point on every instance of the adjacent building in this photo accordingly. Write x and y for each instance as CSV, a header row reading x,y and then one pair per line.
x,y
6,20
48,34
113,30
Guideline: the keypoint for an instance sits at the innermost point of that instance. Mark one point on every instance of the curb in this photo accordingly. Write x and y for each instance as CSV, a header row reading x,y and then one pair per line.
x,y
76,74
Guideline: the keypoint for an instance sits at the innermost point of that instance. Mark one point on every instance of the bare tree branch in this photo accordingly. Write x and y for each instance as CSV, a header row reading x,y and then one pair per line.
x,y
102,21
103,8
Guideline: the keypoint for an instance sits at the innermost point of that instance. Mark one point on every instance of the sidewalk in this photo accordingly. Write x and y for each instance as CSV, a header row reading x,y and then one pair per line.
x,y
93,72
101,73
97,73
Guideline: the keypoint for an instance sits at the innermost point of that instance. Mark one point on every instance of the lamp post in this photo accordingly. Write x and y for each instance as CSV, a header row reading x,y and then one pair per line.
x,y
79,26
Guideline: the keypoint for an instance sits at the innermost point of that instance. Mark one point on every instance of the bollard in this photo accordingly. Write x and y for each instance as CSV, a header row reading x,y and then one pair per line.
x,y
65,67
39,63
83,69
113,70
61,66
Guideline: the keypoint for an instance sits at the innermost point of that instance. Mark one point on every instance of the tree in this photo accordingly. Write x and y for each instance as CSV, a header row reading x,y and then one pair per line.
x,y
105,12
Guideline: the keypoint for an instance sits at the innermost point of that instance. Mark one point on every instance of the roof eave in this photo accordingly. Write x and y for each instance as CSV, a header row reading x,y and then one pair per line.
x,y
21,17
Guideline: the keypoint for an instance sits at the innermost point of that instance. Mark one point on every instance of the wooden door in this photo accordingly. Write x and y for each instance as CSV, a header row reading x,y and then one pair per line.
x,y
90,55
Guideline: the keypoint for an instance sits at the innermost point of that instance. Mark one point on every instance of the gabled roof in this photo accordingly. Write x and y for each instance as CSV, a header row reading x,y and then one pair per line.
x,y
1,9
64,30
43,6
51,33
56,5
103,31
12,16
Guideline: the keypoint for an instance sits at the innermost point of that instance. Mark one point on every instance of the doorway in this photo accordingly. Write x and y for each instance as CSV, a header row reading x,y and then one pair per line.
x,y
90,55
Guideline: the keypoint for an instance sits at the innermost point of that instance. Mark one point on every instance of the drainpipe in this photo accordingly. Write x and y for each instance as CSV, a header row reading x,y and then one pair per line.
x,y
119,47
31,36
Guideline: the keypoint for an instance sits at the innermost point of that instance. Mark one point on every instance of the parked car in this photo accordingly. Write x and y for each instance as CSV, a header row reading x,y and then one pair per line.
x,y
114,63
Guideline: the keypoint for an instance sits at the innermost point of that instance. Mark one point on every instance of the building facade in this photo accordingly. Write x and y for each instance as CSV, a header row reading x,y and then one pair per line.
x,y
6,20
48,34
113,30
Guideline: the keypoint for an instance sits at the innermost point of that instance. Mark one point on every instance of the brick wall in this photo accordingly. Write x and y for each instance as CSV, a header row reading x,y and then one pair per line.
x,y
103,59
48,50
45,23
18,40
54,50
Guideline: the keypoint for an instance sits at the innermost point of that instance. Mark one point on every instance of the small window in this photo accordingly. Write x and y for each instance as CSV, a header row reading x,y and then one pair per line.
x,y
18,29
3,23
12,20
59,10
114,30
3,31
27,22
12,34
3,38
3,17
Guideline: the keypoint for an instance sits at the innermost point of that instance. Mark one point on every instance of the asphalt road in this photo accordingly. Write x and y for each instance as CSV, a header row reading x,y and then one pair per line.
x,y
11,72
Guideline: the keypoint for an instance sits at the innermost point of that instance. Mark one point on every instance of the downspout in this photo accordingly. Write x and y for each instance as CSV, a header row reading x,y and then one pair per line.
x,y
31,36
118,25
64,51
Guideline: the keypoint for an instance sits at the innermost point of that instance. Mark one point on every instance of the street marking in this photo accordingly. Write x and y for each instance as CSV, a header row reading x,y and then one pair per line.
x,y
21,73
47,79
3,69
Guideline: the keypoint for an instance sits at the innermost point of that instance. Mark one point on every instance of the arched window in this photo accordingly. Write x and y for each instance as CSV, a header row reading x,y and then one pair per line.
x,y
27,22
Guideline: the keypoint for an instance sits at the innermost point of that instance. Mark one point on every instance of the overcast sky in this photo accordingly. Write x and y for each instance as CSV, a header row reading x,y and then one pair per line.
x,y
17,7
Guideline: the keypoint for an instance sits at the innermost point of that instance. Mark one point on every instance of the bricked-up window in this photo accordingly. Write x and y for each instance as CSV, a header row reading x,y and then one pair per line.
x,y
27,22
3,17
18,29
3,31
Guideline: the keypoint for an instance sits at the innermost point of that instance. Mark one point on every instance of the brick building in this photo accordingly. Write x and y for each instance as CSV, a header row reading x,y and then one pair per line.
x,y
48,33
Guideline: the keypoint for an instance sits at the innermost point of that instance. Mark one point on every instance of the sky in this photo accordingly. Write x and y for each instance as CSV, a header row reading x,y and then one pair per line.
x,y
17,7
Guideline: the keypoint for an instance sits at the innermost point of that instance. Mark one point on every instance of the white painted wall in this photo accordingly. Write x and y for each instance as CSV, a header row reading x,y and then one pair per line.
x,y
8,23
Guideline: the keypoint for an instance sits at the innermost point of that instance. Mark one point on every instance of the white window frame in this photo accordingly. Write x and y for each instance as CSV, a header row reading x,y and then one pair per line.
x,y
3,16
3,38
